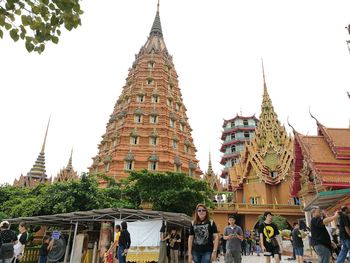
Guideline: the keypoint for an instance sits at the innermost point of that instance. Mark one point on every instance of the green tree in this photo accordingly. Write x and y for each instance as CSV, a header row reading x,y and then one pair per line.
x,y
38,22
280,221
167,191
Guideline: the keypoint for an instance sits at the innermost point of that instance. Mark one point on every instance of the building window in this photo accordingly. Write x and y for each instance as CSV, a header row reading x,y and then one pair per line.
x,y
246,134
149,81
153,140
181,127
134,140
152,166
178,106
153,119
233,136
273,174
191,172
177,168
233,148
107,167
174,144
187,148
233,124
155,99
140,98
245,122
172,123
129,165
254,200
138,118
169,102
151,64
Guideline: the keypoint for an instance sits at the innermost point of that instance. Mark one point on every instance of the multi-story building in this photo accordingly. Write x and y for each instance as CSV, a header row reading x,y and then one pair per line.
x,y
148,128
237,131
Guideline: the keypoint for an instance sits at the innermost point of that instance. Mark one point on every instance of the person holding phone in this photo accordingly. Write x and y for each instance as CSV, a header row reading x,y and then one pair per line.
x,y
233,235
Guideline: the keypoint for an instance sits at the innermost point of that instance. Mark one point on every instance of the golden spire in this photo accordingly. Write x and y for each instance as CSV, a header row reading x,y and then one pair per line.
x,y
47,128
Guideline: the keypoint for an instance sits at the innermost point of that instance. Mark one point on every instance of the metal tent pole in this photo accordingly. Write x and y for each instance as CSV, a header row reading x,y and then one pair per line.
x,y
73,246
68,243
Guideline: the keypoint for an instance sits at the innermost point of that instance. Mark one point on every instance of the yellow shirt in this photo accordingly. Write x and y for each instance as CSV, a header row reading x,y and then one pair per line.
x,y
117,236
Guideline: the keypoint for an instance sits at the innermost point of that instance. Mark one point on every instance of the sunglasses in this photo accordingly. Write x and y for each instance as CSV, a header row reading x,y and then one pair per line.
x,y
201,210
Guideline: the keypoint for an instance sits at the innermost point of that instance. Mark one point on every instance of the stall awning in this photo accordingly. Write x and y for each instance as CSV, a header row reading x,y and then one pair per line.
x,y
327,198
102,215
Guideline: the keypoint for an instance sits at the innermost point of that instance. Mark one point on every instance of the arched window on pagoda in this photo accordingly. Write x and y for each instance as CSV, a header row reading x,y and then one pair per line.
x,y
233,148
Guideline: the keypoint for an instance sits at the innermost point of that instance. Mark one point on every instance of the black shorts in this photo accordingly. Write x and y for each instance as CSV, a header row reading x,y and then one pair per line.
x,y
271,250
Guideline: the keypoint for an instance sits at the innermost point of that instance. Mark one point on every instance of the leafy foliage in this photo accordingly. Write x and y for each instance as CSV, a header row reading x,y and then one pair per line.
x,y
167,191
38,22
280,221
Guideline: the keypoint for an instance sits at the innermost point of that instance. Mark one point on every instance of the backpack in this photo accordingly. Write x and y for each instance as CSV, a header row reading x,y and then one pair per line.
x,y
6,250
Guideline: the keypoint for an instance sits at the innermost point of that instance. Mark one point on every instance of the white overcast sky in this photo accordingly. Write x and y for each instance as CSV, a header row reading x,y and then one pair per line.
x,y
217,46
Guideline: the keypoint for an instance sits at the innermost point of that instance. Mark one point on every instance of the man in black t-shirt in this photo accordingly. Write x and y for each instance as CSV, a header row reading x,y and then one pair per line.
x,y
320,238
344,233
7,239
270,239
298,244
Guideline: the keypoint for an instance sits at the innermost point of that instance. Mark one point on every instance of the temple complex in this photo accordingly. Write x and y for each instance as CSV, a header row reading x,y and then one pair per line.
x,y
67,173
37,173
260,179
148,128
321,170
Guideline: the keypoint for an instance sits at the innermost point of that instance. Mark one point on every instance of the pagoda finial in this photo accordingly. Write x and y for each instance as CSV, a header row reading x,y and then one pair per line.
x,y
156,27
210,167
47,128
263,71
69,165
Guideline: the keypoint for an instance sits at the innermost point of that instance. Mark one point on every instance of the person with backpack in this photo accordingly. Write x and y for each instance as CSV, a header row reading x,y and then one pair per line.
x,y
8,239
203,239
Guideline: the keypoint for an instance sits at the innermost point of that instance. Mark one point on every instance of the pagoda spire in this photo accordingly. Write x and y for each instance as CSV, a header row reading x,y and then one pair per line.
x,y
44,143
69,165
210,167
156,29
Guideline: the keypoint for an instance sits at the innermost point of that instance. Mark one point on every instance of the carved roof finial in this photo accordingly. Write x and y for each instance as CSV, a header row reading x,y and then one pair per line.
x,y
47,128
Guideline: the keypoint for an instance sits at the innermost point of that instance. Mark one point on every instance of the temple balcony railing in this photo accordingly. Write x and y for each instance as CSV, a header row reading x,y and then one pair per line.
x,y
225,202
227,129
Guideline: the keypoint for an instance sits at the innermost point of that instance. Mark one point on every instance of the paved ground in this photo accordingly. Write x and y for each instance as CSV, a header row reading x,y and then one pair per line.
x,y
261,259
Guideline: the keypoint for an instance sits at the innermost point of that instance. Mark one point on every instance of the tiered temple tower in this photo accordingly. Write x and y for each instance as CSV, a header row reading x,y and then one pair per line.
x,y
148,128
37,174
262,177
67,173
237,131
212,178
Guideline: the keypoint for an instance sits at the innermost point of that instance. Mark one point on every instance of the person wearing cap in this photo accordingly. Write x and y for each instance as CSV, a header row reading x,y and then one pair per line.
x,y
270,239
320,238
344,233
8,239
233,235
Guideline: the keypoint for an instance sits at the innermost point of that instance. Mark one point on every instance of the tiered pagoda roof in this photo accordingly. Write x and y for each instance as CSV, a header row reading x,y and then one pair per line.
x,y
67,173
324,160
148,128
269,153
211,177
37,173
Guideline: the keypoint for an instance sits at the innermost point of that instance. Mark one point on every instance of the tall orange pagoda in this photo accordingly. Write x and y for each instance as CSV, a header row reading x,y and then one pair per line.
x,y
321,171
261,178
148,128
37,173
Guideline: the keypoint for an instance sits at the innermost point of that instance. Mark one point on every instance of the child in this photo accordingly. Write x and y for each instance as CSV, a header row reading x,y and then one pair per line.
x,y
45,248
